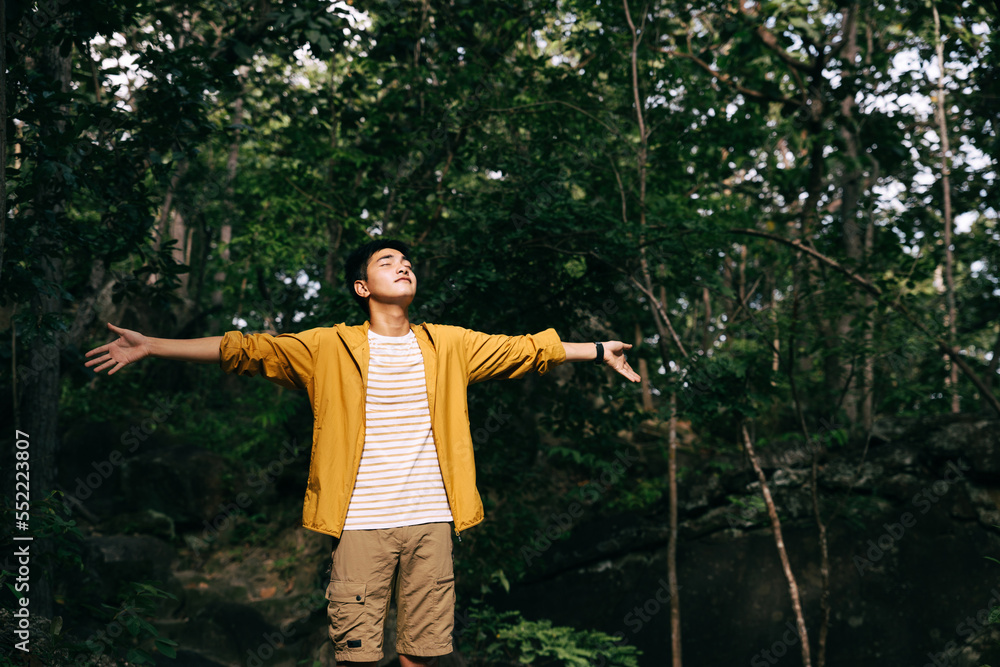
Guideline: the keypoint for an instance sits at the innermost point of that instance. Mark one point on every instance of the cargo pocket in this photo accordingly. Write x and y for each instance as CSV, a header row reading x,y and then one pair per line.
x,y
346,610
346,592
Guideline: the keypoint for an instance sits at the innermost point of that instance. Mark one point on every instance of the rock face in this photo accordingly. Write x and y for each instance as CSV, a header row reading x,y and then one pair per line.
x,y
911,522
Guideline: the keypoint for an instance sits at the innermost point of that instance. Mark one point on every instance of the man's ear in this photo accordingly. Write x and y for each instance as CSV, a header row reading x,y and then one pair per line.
x,y
361,288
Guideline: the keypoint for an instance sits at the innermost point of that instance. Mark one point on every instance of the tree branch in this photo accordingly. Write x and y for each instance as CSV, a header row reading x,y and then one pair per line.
x,y
727,79
786,566
663,315
567,104
771,42
872,289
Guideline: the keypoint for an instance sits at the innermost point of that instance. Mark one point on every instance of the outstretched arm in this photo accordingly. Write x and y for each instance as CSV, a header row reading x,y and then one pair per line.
x,y
131,346
614,355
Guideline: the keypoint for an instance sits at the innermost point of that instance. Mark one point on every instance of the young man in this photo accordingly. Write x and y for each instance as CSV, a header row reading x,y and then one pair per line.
x,y
392,462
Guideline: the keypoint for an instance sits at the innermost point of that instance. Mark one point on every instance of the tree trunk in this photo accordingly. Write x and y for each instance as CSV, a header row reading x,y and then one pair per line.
x,y
39,401
171,225
675,600
226,232
850,196
816,447
772,512
661,319
991,369
334,227
868,364
868,370
940,114
708,338
647,395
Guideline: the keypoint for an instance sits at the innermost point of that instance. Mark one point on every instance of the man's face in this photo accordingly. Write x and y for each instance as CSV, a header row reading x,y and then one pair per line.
x,y
390,279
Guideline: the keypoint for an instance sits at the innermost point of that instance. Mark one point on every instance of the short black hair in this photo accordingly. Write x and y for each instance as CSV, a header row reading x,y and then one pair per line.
x,y
356,267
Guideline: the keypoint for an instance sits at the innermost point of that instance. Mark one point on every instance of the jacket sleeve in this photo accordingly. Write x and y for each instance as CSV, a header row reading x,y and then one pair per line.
x,y
490,356
286,359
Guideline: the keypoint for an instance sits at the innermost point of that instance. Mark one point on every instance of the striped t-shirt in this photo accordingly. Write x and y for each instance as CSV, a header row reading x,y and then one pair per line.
x,y
399,480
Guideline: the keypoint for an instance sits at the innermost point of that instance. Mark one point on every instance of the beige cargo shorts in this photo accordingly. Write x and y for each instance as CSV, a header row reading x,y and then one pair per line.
x,y
415,563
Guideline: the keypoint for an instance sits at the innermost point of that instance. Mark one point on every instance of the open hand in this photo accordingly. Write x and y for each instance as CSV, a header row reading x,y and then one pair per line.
x,y
614,356
129,347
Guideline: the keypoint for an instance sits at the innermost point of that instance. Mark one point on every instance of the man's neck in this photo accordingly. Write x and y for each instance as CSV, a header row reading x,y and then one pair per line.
x,y
393,321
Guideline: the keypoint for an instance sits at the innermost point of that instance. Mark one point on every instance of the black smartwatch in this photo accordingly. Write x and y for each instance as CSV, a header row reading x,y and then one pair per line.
x,y
599,360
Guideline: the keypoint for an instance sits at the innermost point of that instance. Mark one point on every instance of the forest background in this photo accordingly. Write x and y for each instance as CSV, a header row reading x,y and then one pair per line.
x,y
788,207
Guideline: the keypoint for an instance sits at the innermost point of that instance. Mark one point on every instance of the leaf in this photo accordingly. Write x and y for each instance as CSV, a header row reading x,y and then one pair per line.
x,y
132,624
139,657
242,51
503,580
167,647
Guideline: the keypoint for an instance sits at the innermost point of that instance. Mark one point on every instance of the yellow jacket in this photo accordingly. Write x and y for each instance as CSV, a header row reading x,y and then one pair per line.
x,y
331,364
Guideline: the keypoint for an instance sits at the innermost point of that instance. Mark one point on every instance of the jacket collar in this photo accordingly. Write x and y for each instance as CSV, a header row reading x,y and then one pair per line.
x,y
356,339
429,354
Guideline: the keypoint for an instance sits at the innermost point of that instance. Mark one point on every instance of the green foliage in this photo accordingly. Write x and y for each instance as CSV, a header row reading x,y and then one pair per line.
x,y
141,639
751,503
639,494
47,521
506,639
264,141
132,638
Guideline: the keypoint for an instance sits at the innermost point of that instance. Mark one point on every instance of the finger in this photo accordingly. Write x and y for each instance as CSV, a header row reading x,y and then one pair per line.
x,y
116,369
107,363
97,350
98,360
631,374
